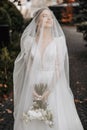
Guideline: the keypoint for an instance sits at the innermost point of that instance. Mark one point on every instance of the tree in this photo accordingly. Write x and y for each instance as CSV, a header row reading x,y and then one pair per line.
x,y
82,11
5,75
9,15
14,14
4,17
82,18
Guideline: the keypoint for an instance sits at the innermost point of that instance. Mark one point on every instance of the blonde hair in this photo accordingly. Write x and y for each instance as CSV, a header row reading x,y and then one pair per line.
x,y
38,12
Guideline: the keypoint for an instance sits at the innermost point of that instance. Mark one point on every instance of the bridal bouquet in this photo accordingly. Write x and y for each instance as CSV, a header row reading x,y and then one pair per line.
x,y
39,110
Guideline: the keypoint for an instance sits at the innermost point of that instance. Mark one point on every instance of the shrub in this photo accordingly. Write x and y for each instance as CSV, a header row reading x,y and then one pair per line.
x,y
16,17
4,17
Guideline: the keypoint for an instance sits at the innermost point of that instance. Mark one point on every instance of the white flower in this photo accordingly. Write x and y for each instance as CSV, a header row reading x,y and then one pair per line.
x,y
25,117
50,123
34,114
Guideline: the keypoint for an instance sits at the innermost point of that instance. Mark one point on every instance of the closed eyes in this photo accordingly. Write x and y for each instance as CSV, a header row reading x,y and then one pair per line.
x,y
45,15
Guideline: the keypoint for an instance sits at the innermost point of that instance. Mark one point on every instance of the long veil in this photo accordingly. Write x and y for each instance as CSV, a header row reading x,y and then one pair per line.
x,y
26,66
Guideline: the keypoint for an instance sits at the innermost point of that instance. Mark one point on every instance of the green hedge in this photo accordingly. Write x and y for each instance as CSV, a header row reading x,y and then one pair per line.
x,y
81,27
15,17
4,17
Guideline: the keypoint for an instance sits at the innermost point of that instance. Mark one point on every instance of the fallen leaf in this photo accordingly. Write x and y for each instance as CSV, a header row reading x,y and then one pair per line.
x,y
1,119
9,111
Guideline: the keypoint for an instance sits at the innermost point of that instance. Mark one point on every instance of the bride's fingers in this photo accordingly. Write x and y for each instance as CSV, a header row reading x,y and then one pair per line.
x,y
35,94
45,96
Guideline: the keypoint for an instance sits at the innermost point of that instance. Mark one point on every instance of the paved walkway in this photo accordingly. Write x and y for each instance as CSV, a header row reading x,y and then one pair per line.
x,y
78,78
78,70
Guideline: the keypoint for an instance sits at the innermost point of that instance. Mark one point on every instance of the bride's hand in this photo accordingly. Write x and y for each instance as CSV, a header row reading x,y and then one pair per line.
x,y
45,95
36,96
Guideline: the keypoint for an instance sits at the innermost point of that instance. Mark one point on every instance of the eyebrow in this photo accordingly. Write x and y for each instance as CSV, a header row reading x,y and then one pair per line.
x,y
46,14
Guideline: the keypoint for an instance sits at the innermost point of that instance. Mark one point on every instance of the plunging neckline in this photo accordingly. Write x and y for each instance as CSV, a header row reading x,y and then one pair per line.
x,y
42,55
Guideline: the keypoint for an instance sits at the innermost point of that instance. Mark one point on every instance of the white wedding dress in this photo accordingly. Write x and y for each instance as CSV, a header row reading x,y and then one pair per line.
x,y
60,100
45,64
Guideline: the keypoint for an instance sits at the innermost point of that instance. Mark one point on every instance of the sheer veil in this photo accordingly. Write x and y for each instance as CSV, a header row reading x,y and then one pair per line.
x,y
26,66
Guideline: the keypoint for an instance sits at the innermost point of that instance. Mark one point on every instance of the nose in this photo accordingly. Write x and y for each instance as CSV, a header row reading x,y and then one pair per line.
x,y
49,18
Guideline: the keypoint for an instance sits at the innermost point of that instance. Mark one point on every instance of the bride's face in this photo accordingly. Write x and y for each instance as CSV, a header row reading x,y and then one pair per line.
x,y
46,19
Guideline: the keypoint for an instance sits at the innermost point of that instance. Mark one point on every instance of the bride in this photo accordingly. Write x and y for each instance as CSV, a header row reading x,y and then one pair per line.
x,y
43,99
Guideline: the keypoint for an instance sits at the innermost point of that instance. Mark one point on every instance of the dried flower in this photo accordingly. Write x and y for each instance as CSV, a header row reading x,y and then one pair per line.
x,y
39,110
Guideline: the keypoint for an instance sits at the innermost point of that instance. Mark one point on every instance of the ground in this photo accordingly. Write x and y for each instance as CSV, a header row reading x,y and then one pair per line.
x,y
78,81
